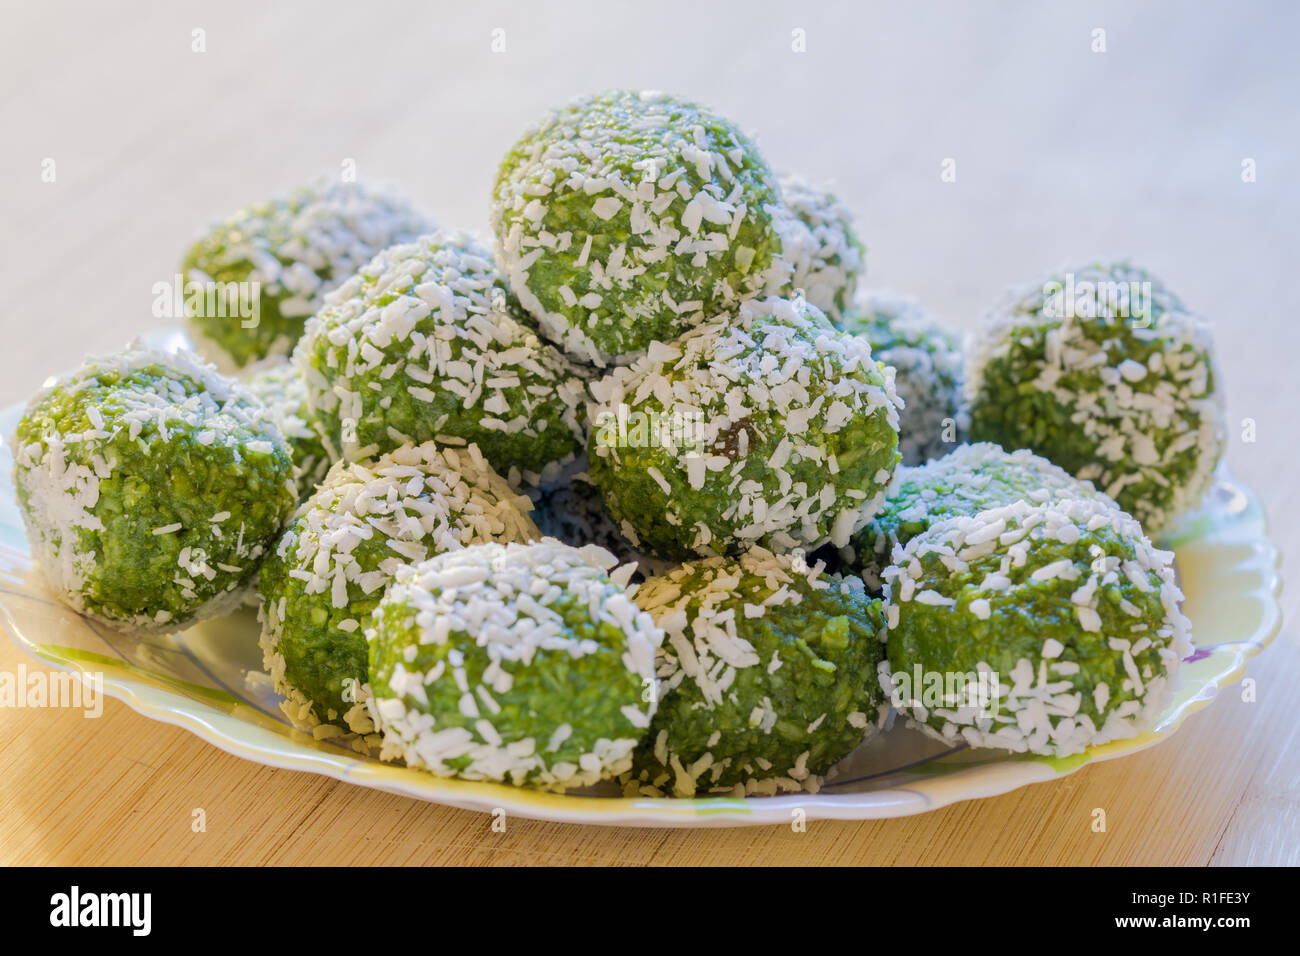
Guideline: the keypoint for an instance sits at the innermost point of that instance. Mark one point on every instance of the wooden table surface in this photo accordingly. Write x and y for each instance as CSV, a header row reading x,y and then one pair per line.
x,y
1060,152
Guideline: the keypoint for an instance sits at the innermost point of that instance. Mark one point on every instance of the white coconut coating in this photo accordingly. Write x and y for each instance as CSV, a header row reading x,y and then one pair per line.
x,y
1103,370
928,358
1066,610
824,255
468,647
147,480
346,544
424,343
775,429
296,248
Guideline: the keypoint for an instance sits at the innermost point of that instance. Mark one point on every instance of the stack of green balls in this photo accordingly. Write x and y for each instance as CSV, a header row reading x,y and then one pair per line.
x,y
760,529
345,545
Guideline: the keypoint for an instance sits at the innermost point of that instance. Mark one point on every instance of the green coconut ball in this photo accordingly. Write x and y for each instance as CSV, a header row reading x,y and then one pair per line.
x,y
150,486
968,480
825,256
625,218
1039,628
283,390
345,545
767,676
515,663
767,428
296,248
574,513
1104,371
928,359
425,343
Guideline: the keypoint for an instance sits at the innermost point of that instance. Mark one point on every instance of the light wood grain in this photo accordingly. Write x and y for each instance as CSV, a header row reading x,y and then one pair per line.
x,y
1061,153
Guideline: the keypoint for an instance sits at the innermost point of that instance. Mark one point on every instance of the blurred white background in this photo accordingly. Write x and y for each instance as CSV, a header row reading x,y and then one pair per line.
x,y
1061,152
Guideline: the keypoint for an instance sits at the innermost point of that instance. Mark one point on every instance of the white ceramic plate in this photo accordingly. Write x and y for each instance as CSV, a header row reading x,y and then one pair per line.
x,y
200,680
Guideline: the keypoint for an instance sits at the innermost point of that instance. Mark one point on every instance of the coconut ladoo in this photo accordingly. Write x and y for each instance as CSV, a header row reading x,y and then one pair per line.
x,y
927,358
518,663
1104,371
767,676
344,547
819,244
282,256
625,218
425,343
283,391
769,428
1040,628
150,486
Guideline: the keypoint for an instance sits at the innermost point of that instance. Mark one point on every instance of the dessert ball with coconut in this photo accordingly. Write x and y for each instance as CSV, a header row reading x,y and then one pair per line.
x,y
767,676
927,358
767,428
1040,628
425,343
283,390
344,546
151,486
625,218
526,664
265,269
1104,371
824,255
968,480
